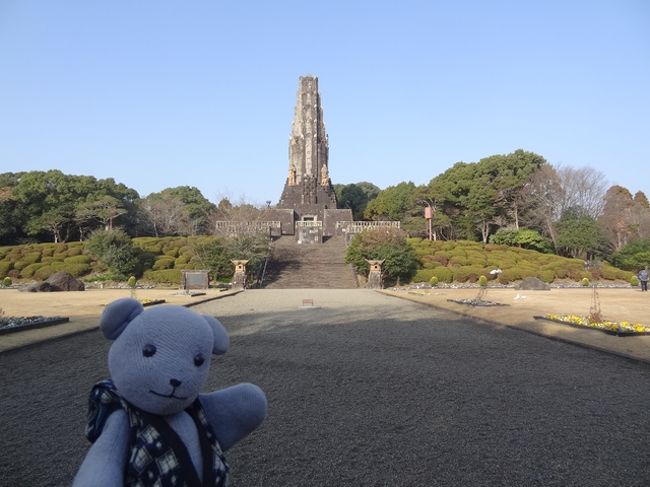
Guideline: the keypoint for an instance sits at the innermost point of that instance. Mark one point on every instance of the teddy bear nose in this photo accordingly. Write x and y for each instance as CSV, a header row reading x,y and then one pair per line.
x,y
175,382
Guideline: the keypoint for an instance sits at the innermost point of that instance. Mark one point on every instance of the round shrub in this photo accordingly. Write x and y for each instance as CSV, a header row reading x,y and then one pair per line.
x,y
546,275
78,259
154,248
444,274
75,269
47,251
19,265
31,257
73,251
482,281
390,246
433,281
423,275
5,267
6,282
44,272
608,271
29,271
634,281
163,262
181,261
442,257
115,249
508,275
131,282
170,250
476,258
468,273
186,250
584,282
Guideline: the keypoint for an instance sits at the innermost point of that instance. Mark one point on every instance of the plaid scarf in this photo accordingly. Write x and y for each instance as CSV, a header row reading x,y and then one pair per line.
x,y
156,453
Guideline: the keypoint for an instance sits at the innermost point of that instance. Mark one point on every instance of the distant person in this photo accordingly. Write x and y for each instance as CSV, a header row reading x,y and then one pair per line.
x,y
643,279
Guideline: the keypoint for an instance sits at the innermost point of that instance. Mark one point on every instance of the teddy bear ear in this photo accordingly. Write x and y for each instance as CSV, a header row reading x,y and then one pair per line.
x,y
221,338
117,315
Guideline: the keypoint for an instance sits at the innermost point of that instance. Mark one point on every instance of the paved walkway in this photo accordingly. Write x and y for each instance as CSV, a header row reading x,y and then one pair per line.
x,y
366,390
83,309
616,304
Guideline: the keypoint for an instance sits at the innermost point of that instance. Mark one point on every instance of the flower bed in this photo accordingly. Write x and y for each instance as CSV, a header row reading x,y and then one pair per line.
x,y
476,302
19,323
618,328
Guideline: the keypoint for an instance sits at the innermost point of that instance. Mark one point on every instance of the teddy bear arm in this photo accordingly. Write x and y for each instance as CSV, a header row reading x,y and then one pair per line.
x,y
234,412
105,462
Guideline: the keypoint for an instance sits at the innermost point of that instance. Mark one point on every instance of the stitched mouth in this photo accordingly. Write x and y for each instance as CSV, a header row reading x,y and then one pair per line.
x,y
168,396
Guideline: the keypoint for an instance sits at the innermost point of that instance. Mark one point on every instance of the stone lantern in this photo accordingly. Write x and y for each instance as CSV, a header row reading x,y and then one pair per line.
x,y
374,274
239,278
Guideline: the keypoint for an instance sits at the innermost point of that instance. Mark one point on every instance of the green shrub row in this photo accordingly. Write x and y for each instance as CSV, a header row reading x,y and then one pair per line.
x,y
164,276
464,261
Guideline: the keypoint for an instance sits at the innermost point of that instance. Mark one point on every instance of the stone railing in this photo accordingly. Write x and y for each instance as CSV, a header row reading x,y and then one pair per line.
x,y
360,226
309,223
230,228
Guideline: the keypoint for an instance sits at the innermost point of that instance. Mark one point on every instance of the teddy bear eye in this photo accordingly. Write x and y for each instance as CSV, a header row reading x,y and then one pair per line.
x,y
148,350
199,359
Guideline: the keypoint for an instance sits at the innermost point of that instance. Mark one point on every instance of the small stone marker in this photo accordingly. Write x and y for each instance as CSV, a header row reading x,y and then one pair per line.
x,y
194,279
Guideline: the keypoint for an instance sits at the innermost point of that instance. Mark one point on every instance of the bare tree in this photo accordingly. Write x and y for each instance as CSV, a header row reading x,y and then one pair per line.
x,y
543,194
167,214
584,188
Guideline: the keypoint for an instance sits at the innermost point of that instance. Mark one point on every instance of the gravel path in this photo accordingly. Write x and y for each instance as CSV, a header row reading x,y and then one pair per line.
x,y
365,389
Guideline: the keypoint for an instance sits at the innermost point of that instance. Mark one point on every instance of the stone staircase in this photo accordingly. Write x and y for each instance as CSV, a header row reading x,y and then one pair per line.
x,y
309,266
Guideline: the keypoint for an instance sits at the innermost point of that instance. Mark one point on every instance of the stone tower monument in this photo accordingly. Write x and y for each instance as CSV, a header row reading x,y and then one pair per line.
x,y
308,189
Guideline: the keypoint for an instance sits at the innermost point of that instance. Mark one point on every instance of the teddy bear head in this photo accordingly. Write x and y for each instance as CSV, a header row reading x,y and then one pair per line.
x,y
160,357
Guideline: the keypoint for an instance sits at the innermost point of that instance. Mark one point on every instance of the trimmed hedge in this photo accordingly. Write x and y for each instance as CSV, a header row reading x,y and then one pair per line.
x,y
44,272
78,259
29,271
444,274
162,263
423,275
166,276
76,269
5,267
468,273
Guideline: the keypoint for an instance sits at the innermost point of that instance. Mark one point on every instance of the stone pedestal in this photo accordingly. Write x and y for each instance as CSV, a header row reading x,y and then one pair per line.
x,y
374,274
239,278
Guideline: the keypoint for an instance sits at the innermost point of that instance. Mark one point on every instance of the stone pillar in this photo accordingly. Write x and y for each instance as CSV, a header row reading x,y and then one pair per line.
x,y
374,275
239,278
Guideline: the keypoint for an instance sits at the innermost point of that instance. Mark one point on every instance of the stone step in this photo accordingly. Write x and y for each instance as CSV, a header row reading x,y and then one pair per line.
x,y
296,265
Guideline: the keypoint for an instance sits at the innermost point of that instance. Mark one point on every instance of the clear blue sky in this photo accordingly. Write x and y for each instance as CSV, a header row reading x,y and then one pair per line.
x,y
164,93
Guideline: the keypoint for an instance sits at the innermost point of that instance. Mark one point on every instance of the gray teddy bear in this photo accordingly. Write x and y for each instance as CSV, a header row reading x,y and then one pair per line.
x,y
149,424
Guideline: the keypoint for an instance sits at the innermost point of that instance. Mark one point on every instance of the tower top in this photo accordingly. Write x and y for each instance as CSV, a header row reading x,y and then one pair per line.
x,y
308,184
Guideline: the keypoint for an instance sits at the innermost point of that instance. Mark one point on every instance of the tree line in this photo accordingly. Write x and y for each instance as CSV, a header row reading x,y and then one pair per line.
x,y
39,206
514,199
520,199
